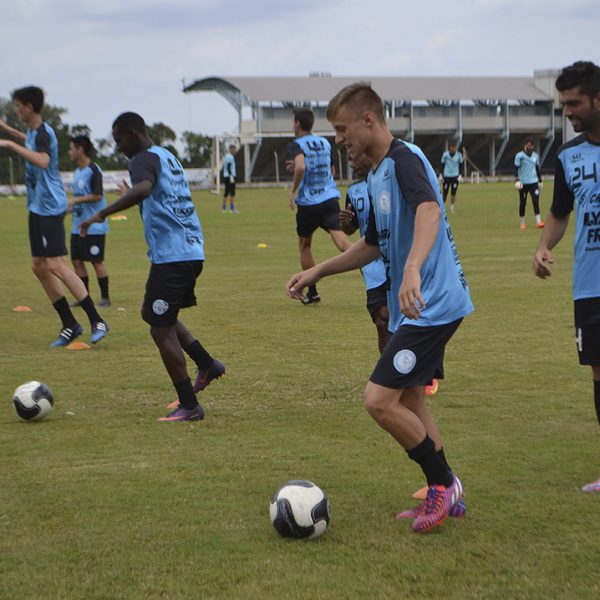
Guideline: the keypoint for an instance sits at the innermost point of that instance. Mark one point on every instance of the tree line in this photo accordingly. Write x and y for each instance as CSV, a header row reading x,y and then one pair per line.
x,y
195,154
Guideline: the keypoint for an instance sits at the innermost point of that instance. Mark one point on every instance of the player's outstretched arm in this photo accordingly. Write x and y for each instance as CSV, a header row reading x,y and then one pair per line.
x,y
6,128
132,196
358,255
554,229
39,159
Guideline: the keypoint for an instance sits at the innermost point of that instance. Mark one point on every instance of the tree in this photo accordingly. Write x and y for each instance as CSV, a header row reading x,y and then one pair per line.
x,y
197,150
160,134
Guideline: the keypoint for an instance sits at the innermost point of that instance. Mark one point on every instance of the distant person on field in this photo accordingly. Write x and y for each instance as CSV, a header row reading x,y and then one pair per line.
x,y
47,204
356,216
528,181
176,251
229,176
88,198
314,192
577,187
452,161
428,299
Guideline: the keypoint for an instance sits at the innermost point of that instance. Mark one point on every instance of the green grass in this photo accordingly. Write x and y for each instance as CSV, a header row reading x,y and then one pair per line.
x,y
100,501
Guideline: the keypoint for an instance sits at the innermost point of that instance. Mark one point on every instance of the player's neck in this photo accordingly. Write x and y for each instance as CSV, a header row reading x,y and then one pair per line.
x,y
380,146
594,135
84,161
34,121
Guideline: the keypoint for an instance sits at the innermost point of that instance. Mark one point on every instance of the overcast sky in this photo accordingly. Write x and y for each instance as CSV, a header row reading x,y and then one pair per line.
x,y
98,59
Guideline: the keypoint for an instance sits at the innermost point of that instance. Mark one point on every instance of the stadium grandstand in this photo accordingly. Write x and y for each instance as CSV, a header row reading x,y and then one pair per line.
x,y
488,116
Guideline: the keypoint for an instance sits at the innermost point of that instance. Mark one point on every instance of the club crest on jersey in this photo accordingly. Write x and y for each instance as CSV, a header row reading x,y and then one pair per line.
x,y
385,202
81,184
405,361
160,307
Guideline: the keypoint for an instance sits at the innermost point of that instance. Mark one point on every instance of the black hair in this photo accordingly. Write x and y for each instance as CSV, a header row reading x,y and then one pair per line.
x,y
83,142
582,73
30,94
129,121
305,117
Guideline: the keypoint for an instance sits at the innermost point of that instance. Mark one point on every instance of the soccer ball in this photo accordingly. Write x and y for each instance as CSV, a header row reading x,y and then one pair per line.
x,y
300,509
33,400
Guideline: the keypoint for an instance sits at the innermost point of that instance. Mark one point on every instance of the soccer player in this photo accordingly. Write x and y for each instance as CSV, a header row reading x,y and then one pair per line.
x,y
528,181
47,204
451,164
314,192
428,297
229,175
577,184
356,216
88,198
176,251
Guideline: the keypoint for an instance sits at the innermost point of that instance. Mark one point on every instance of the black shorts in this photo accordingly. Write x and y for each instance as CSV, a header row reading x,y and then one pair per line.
x,y
450,183
376,298
169,288
310,218
587,330
47,235
89,248
229,188
414,356
530,188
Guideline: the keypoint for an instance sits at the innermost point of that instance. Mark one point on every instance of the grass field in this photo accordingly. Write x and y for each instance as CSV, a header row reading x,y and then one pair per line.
x,y
101,501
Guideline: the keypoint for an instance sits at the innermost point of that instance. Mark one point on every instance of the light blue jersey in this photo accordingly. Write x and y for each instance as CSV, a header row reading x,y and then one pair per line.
x,y
402,181
171,225
358,197
451,164
577,185
317,185
87,181
45,193
527,167
229,166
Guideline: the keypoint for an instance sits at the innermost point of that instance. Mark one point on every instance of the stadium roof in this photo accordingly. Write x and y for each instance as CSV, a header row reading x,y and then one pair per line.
x,y
322,88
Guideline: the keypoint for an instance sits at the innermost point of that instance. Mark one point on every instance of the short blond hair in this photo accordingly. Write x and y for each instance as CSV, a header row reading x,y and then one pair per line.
x,y
360,97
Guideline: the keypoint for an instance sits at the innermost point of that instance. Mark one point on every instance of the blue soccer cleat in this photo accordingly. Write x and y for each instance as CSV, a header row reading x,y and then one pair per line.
x,y
99,331
67,335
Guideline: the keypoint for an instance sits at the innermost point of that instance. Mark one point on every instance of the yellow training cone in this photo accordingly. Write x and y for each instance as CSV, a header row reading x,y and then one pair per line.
x,y
261,245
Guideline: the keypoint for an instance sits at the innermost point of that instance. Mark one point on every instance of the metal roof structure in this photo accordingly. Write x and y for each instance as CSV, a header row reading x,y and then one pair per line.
x,y
294,90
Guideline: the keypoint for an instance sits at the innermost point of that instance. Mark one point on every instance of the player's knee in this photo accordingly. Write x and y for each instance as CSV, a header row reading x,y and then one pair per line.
x,y
374,404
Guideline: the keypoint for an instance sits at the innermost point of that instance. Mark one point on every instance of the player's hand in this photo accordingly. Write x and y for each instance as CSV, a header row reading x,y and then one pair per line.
x,y
85,225
295,286
293,201
441,178
540,184
290,166
231,179
460,178
123,187
541,259
5,143
409,296
518,185
346,215
70,204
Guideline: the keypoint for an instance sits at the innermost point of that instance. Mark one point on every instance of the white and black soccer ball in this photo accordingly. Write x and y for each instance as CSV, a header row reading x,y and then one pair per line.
x,y
300,509
33,401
